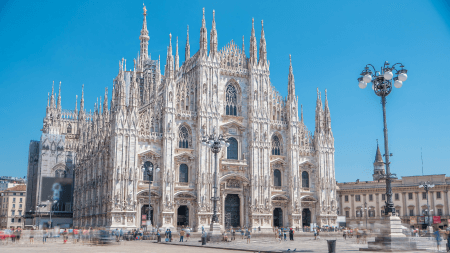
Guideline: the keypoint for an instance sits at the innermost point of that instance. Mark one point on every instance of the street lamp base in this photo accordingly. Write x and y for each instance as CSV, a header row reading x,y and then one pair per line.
x,y
215,234
391,238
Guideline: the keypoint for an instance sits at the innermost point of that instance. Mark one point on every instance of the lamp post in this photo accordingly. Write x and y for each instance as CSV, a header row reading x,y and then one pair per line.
x,y
382,86
149,172
427,186
215,143
39,208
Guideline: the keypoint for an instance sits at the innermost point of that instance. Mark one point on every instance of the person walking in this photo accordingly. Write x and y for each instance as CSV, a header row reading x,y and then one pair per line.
x,y
188,233
242,234
437,235
249,235
344,234
170,235
315,234
65,236
233,234
284,233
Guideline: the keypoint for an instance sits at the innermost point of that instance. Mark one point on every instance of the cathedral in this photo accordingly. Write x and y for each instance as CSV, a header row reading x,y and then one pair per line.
x,y
274,173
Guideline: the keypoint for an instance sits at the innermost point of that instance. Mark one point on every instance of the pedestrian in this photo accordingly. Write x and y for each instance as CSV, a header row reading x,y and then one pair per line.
x,y
249,235
75,235
203,229
233,234
345,234
242,234
364,237
437,235
315,234
44,236
65,235
188,233
170,235
182,235
32,236
448,239
284,233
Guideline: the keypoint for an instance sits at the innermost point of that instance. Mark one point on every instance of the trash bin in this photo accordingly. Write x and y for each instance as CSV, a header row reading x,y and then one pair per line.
x,y
331,246
203,240
159,238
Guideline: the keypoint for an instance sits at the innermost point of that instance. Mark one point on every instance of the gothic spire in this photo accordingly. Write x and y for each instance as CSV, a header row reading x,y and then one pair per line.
x,y
253,52
262,47
203,36
105,103
243,45
59,98
52,98
177,58
319,112
187,50
301,106
144,37
82,99
327,113
213,38
169,62
76,104
291,81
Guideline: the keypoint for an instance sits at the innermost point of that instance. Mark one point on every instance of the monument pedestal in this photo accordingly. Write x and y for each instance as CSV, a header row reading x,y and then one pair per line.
x,y
215,232
391,238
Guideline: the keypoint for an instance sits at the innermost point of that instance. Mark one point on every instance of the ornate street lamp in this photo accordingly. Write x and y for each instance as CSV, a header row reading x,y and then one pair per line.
x,y
149,172
382,86
427,186
215,143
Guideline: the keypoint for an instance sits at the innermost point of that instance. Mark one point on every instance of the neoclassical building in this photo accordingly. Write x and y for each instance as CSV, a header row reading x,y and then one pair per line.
x,y
364,201
274,173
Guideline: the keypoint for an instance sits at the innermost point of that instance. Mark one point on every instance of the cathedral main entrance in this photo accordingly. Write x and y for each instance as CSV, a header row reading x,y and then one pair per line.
x,y
183,216
232,211
144,211
306,217
278,217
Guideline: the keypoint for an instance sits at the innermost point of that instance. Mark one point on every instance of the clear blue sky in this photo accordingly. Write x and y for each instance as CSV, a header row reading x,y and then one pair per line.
x,y
80,42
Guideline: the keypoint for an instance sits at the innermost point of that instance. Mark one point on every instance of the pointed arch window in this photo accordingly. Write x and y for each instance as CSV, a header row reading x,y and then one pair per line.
x,y
231,100
305,179
184,173
183,137
148,171
60,173
276,145
276,177
232,150
69,129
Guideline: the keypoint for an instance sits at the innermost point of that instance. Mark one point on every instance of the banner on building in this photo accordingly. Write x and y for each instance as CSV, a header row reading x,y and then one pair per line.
x,y
436,219
144,217
59,191
412,220
421,220
144,223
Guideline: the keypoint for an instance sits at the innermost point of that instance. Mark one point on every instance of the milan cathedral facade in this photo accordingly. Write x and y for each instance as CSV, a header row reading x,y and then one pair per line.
x,y
274,173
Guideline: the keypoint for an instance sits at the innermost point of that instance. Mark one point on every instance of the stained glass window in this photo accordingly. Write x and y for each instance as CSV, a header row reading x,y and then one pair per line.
x,y
232,150
183,137
148,166
305,179
231,102
276,145
276,177
184,173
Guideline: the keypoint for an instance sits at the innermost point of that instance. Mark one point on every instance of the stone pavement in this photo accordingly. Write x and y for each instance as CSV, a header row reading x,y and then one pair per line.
x,y
261,244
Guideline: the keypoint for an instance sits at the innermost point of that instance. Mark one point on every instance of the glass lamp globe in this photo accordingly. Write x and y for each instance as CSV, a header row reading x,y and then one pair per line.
x,y
402,77
388,75
362,84
367,78
222,142
211,142
227,144
398,84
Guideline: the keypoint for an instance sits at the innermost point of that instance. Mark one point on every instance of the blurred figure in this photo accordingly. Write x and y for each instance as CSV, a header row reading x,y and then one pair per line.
x,y
44,236
345,234
437,235
32,236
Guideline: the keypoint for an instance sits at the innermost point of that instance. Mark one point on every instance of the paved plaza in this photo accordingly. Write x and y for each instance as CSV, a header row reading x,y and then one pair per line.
x,y
259,244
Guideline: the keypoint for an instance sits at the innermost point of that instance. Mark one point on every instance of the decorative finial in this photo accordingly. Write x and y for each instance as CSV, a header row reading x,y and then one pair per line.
x,y
253,22
377,142
203,12
262,23
290,61
325,93
145,9
214,14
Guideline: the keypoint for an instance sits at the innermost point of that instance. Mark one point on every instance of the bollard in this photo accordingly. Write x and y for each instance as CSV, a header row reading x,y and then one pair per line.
x,y
331,246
